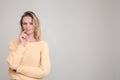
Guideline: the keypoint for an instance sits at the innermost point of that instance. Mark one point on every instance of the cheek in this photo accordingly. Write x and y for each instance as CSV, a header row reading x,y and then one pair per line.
x,y
32,29
23,27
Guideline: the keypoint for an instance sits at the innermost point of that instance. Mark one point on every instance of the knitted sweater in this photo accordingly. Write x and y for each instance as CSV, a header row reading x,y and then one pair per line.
x,y
29,62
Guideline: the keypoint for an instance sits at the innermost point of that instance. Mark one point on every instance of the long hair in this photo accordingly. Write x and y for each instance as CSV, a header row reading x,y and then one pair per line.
x,y
36,24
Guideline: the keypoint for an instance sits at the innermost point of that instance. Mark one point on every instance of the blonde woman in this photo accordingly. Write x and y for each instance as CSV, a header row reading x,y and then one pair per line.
x,y
28,57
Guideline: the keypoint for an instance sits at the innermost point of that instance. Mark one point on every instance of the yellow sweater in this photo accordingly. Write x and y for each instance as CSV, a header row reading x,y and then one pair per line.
x,y
29,62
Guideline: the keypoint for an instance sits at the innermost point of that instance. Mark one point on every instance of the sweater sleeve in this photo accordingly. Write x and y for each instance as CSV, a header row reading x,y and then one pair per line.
x,y
37,72
15,54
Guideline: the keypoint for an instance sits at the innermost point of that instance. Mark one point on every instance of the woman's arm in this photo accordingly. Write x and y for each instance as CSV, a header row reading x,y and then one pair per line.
x,y
37,72
15,55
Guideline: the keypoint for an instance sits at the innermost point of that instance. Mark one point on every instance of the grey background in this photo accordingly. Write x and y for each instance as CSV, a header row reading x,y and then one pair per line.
x,y
83,36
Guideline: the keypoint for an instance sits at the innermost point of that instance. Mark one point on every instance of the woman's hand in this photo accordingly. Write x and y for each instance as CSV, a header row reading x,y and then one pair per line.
x,y
23,38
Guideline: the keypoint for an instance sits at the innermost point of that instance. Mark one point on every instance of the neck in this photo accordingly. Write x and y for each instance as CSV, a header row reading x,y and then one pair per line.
x,y
31,38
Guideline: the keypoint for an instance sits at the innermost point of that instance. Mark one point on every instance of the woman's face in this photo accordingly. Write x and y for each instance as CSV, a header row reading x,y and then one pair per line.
x,y
27,25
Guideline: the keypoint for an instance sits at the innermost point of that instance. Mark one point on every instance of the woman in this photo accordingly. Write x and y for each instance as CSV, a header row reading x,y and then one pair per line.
x,y
28,57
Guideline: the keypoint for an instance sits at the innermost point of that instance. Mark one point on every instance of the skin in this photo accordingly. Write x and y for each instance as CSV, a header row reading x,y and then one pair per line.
x,y
28,34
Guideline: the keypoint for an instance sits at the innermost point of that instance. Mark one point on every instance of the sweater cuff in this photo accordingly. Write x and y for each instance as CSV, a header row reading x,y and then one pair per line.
x,y
19,69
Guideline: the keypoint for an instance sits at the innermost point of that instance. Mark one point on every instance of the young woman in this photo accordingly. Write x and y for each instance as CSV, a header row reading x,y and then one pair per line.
x,y
28,57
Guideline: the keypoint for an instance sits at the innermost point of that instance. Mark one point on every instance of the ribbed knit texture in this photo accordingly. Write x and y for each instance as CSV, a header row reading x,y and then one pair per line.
x,y
31,61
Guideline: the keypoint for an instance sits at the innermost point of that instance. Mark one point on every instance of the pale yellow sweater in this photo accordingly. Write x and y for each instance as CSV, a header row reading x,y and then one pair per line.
x,y
29,62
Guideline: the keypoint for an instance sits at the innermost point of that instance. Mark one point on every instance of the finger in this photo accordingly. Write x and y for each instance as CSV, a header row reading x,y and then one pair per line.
x,y
22,37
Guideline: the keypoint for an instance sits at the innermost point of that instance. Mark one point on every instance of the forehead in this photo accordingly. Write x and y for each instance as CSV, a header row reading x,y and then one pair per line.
x,y
27,19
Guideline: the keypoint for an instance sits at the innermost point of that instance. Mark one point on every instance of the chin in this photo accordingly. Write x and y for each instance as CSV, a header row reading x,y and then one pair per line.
x,y
30,33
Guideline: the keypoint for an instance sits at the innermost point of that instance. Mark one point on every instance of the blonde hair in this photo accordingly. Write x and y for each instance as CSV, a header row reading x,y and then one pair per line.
x,y
36,24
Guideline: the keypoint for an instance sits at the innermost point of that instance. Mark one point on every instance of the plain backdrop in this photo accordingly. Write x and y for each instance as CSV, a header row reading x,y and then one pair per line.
x,y
83,36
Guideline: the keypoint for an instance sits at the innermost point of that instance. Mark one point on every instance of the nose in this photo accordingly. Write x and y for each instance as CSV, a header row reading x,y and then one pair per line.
x,y
26,26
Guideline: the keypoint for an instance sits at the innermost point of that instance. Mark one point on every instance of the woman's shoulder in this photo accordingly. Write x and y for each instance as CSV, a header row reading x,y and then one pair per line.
x,y
43,43
14,41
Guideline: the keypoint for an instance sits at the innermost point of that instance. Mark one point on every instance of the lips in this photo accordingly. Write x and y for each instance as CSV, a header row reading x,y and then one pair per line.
x,y
27,31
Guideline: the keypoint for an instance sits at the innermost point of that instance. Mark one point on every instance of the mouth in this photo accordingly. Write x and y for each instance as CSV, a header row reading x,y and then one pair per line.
x,y
26,30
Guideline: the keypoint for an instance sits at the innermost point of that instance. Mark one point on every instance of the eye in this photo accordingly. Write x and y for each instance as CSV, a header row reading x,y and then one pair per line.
x,y
24,23
31,23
